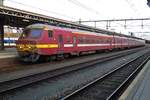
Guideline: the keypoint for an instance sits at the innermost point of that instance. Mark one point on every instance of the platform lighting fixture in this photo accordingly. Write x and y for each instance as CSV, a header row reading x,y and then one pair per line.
x,y
25,20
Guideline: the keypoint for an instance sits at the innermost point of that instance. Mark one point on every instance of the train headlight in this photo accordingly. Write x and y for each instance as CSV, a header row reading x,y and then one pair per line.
x,y
26,47
29,47
20,46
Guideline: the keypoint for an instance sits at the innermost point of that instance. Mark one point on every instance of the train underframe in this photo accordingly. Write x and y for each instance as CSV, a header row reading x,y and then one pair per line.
x,y
28,56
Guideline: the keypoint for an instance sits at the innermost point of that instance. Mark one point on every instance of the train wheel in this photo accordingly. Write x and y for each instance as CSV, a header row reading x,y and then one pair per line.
x,y
66,55
60,57
30,58
49,58
34,57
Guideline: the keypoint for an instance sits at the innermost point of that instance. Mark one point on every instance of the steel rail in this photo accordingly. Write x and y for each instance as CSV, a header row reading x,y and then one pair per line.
x,y
116,92
16,83
101,78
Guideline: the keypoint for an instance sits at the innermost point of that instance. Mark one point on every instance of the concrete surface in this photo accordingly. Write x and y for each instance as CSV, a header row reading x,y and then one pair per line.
x,y
140,87
8,53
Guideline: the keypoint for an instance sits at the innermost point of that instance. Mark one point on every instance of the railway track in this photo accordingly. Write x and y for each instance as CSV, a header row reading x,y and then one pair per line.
x,y
111,85
20,82
13,64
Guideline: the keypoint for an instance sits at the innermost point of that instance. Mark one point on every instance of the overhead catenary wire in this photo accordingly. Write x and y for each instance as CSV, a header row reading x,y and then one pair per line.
x,y
59,14
76,2
81,5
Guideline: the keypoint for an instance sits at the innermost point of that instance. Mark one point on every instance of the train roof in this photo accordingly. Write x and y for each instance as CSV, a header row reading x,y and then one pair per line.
x,y
101,31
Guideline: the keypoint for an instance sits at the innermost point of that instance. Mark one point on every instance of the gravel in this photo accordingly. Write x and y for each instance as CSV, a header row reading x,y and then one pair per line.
x,y
60,86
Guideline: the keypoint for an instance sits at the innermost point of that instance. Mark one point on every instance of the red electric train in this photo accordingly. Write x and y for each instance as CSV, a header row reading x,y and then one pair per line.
x,y
40,40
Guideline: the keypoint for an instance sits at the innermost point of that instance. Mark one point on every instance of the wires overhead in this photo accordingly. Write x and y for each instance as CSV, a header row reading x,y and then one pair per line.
x,y
52,12
81,5
84,6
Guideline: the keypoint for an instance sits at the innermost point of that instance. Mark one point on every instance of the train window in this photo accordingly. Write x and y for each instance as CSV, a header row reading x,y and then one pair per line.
x,y
25,33
68,39
87,40
50,33
102,40
92,41
80,40
97,41
109,40
35,33
74,41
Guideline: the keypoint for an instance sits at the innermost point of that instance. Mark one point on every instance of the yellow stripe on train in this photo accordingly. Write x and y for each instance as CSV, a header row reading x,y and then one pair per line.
x,y
44,46
47,46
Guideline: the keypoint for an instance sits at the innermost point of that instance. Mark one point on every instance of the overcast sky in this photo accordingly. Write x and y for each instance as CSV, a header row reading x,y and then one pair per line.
x,y
74,10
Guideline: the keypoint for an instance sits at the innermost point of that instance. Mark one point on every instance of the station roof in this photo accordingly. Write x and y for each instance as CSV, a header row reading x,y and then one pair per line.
x,y
21,17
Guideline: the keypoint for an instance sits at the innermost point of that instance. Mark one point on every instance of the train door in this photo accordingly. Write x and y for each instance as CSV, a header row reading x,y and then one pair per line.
x,y
74,41
113,42
60,44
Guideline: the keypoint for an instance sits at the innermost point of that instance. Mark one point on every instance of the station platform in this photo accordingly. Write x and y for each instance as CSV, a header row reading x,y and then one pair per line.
x,y
140,87
8,53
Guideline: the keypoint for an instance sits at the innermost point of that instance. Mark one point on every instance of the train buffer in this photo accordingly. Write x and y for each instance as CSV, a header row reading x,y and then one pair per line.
x,y
139,89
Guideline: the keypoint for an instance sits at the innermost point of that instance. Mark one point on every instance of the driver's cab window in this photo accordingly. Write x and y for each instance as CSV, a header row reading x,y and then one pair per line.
x,y
50,33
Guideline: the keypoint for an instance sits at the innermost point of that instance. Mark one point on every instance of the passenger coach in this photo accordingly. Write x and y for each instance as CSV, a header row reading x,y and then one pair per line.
x,y
40,40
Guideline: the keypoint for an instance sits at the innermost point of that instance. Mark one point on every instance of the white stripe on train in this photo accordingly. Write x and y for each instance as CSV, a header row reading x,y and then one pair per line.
x,y
85,45
68,45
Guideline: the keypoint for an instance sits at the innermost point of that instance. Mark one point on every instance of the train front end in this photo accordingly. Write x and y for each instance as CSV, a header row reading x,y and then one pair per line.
x,y
27,44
